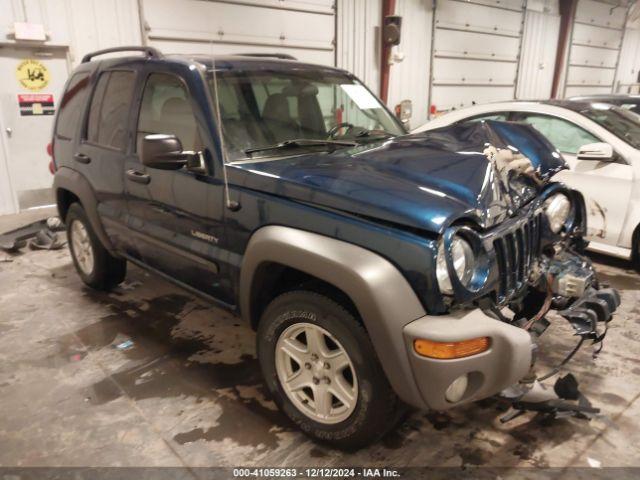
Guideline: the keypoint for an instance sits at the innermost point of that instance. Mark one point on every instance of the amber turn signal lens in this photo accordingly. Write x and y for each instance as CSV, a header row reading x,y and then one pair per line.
x,y
449,350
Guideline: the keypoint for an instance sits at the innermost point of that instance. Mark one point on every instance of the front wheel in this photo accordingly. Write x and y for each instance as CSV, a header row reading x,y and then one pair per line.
x,y
320,367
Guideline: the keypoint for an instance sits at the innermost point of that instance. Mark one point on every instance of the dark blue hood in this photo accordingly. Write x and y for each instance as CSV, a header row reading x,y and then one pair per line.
x,y
424,181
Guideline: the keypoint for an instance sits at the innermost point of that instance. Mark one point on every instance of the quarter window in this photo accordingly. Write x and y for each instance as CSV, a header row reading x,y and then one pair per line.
x,y
564,135
166,108
71,106
110,106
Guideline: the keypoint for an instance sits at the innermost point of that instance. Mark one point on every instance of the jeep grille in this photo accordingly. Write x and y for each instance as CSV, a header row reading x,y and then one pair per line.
x,y
516,249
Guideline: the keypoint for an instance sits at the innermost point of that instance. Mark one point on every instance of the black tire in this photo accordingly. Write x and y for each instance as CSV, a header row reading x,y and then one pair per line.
x,y
377,405
635,252
108,271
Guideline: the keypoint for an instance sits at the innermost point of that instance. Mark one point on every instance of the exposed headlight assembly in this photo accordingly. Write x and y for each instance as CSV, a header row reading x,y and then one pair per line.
x,y
558,210
464,264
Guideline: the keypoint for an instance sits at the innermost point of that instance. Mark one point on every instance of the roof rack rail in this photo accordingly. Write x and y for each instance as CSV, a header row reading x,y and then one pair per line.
x,y
281,56
149,51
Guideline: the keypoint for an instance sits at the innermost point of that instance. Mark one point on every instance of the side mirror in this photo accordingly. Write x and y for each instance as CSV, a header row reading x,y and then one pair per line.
x,y
164,152
596,151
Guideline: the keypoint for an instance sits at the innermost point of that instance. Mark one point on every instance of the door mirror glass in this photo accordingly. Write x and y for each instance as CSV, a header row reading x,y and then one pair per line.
x,y
163,152
596,151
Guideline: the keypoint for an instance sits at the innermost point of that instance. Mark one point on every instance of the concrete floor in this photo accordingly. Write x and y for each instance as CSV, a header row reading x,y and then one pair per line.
x,y
148,375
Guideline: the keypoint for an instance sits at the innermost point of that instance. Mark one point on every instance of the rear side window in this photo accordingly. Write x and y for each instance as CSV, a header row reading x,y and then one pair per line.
x,y
110,107
72,105
564,135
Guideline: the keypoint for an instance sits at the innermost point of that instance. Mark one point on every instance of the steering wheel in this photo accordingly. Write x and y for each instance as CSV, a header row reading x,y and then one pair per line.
x,y
336,129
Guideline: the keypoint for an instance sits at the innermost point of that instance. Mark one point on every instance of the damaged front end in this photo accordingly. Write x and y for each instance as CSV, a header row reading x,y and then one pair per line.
x,y
530,265
563,283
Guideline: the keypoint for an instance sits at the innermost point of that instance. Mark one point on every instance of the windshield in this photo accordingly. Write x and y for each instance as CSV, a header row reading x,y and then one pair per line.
x,y
264,108
622,123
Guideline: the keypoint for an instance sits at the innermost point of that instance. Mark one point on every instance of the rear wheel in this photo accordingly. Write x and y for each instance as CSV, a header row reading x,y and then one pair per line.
x,y
95,265
320,367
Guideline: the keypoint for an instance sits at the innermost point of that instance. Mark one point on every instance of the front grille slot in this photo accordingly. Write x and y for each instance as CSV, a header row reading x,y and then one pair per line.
x,y
515,251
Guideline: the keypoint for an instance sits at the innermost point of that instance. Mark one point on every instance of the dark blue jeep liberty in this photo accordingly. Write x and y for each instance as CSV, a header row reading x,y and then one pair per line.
x,y
381,270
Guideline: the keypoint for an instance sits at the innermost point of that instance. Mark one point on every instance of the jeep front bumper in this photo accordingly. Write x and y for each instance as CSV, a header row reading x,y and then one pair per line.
x,y
510,356
507,360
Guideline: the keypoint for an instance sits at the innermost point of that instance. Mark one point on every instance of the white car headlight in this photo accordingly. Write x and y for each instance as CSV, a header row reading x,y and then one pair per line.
x,y
463,264
558,211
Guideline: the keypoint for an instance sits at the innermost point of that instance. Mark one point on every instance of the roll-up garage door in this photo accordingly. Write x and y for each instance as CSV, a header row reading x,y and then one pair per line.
x,y
302,28
476,51
596,39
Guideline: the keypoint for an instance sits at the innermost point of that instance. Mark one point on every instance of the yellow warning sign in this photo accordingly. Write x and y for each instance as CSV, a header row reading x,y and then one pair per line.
x,y
32,75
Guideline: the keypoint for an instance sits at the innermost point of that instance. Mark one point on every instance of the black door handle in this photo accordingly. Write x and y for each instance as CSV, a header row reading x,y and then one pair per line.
x,y
138,177
82,158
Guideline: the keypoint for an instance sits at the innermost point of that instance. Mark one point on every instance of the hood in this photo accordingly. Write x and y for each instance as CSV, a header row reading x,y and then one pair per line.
x,y
424,181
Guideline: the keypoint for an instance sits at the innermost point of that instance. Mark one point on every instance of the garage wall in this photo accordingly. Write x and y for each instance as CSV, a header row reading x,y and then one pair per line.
x,y
409,78
73,28
629,63
302,28
594,49
539,45
476,48
80,26
358,39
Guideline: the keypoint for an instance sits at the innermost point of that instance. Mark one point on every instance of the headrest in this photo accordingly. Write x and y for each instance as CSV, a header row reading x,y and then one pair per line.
x,y
176,106
276,107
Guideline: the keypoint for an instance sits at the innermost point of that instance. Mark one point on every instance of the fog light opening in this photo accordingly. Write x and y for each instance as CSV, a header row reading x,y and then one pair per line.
x,y
457,389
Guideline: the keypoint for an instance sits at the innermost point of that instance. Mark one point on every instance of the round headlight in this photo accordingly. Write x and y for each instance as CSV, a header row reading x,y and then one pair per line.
x,y
463,264
558,210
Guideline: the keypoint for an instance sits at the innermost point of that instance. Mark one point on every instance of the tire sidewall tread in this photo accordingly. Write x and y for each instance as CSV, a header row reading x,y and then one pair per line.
x,y
374,413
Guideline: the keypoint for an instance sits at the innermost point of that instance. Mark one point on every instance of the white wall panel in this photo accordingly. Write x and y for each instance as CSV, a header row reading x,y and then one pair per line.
x,y
475,52
409,79
448,97
596,36
605,14
539,46
629,65
459,71
478,18
579,91
232,27
358,39
459,44
79,25
594,48
594,57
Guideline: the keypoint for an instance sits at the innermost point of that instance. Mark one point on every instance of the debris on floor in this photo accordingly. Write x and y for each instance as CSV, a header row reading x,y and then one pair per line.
x,y
126,345
41,235
46,240
563,400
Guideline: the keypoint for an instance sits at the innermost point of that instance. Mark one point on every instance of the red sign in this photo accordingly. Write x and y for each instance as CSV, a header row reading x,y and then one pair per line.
x,y
35,97
36,104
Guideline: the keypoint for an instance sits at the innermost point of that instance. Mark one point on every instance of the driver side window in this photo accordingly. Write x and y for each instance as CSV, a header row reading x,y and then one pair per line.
x,y
564,135
166,108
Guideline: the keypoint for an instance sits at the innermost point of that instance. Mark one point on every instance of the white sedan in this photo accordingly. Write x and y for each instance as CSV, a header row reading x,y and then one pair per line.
x,y
601,144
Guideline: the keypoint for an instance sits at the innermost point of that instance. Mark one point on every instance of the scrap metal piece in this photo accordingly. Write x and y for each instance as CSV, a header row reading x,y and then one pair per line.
x,y
595,307
40,235
17,239
563,400
46,240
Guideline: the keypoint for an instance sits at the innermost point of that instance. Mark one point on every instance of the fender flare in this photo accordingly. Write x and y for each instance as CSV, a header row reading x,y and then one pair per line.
x,y
383,297
76,183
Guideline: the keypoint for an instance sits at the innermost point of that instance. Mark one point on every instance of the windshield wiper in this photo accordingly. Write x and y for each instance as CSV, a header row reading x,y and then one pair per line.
x,y
331,145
